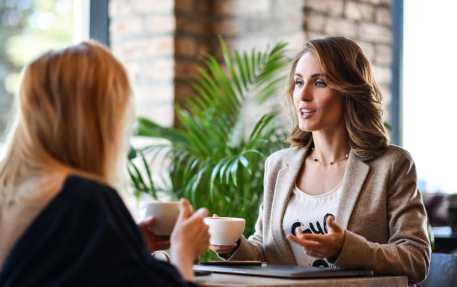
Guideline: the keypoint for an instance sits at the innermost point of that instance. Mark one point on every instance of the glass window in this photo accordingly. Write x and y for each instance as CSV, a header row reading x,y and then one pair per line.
x,y
27,29
429,94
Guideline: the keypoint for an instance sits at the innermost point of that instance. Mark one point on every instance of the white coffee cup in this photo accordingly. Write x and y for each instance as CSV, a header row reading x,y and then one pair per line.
x,y
225,230
165,214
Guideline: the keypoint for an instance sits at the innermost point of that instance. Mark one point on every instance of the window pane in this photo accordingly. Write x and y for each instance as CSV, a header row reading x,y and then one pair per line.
x,y
429,93
27,29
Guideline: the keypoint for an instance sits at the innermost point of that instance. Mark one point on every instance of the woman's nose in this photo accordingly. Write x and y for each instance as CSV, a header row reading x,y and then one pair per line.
x,y
306,93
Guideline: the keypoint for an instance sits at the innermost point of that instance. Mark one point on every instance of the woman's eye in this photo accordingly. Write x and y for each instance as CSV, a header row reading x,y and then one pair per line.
x,y
298,83
320,83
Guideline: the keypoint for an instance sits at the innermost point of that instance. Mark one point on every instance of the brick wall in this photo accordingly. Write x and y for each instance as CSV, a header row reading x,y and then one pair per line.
x,y
142,37
161,41
192,42
256,24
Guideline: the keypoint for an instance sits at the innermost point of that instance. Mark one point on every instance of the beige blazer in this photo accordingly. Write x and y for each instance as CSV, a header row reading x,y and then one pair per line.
x,y
380,208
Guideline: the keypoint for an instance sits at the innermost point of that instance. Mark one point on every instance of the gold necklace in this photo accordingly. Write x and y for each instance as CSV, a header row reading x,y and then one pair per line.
x,y
346,156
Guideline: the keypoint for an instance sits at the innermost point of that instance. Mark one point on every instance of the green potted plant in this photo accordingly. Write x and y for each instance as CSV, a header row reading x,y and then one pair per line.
x,y
214,158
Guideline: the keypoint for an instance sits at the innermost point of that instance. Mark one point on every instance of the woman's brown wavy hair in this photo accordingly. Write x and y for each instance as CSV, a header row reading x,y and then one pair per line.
x,y
349,74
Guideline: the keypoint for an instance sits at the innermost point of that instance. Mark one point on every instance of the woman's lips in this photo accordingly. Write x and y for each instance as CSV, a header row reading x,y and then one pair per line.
x,y
306,113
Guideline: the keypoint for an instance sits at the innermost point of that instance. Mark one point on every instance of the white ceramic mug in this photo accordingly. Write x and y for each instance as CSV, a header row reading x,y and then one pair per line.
x,y
165,214
225,230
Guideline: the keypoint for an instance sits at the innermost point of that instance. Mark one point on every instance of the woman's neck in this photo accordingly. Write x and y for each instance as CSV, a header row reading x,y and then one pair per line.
x,y
331,145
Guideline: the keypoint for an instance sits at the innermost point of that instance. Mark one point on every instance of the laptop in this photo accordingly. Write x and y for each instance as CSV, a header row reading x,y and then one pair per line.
x,y
283,271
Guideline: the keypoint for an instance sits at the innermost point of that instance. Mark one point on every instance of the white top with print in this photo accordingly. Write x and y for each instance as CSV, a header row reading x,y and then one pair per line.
x,y
309,212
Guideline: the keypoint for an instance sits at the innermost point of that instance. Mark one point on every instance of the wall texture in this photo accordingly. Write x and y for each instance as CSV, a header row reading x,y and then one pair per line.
x,y
142,35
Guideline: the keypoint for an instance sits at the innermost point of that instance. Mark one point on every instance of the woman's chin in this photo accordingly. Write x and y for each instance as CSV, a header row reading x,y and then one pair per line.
x,y
308,127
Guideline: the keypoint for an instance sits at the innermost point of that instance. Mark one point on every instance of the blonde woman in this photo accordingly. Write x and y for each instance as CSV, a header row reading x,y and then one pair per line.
x,y
62,222
340,195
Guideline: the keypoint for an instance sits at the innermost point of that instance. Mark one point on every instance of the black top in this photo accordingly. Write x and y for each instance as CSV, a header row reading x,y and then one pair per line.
x,y
85,237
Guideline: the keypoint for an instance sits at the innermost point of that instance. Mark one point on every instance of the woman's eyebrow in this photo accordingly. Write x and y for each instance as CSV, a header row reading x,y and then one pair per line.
x,y
316,75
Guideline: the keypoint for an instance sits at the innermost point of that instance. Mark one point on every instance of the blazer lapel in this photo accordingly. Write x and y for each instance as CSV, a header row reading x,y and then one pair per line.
x,y
284,185
354,178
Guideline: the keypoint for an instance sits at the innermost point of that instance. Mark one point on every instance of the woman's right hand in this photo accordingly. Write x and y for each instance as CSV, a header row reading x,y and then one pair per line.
x,y
189,239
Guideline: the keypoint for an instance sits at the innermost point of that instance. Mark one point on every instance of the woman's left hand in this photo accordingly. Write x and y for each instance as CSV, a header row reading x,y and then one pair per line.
x,y
322,245
153,242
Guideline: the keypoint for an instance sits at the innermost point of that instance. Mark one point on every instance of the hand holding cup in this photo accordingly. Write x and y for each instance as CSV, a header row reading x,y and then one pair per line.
x,y
190,238
153,242
224,231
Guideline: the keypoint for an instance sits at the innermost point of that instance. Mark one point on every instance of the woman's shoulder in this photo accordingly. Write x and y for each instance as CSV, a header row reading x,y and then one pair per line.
x,y
83,189
79,182
283,155
393,155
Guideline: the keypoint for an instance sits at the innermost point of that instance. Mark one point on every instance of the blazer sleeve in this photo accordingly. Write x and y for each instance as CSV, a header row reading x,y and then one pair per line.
x,y
252,248
408,248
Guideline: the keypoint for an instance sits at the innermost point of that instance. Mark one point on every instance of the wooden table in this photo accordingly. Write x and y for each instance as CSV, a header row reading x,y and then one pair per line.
x,y
225,280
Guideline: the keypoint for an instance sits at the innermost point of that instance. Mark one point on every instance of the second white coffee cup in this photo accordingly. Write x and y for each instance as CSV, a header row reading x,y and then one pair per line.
x,y
166,214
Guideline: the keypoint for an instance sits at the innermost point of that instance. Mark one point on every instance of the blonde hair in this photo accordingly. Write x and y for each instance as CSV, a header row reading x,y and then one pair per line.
x,y
71,112
349,74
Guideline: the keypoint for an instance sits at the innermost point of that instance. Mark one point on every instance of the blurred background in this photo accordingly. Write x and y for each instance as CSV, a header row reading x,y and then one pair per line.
x,y
411,44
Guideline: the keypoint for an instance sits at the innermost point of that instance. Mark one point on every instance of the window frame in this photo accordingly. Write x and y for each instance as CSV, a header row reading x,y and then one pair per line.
x,y
99,21
397,72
